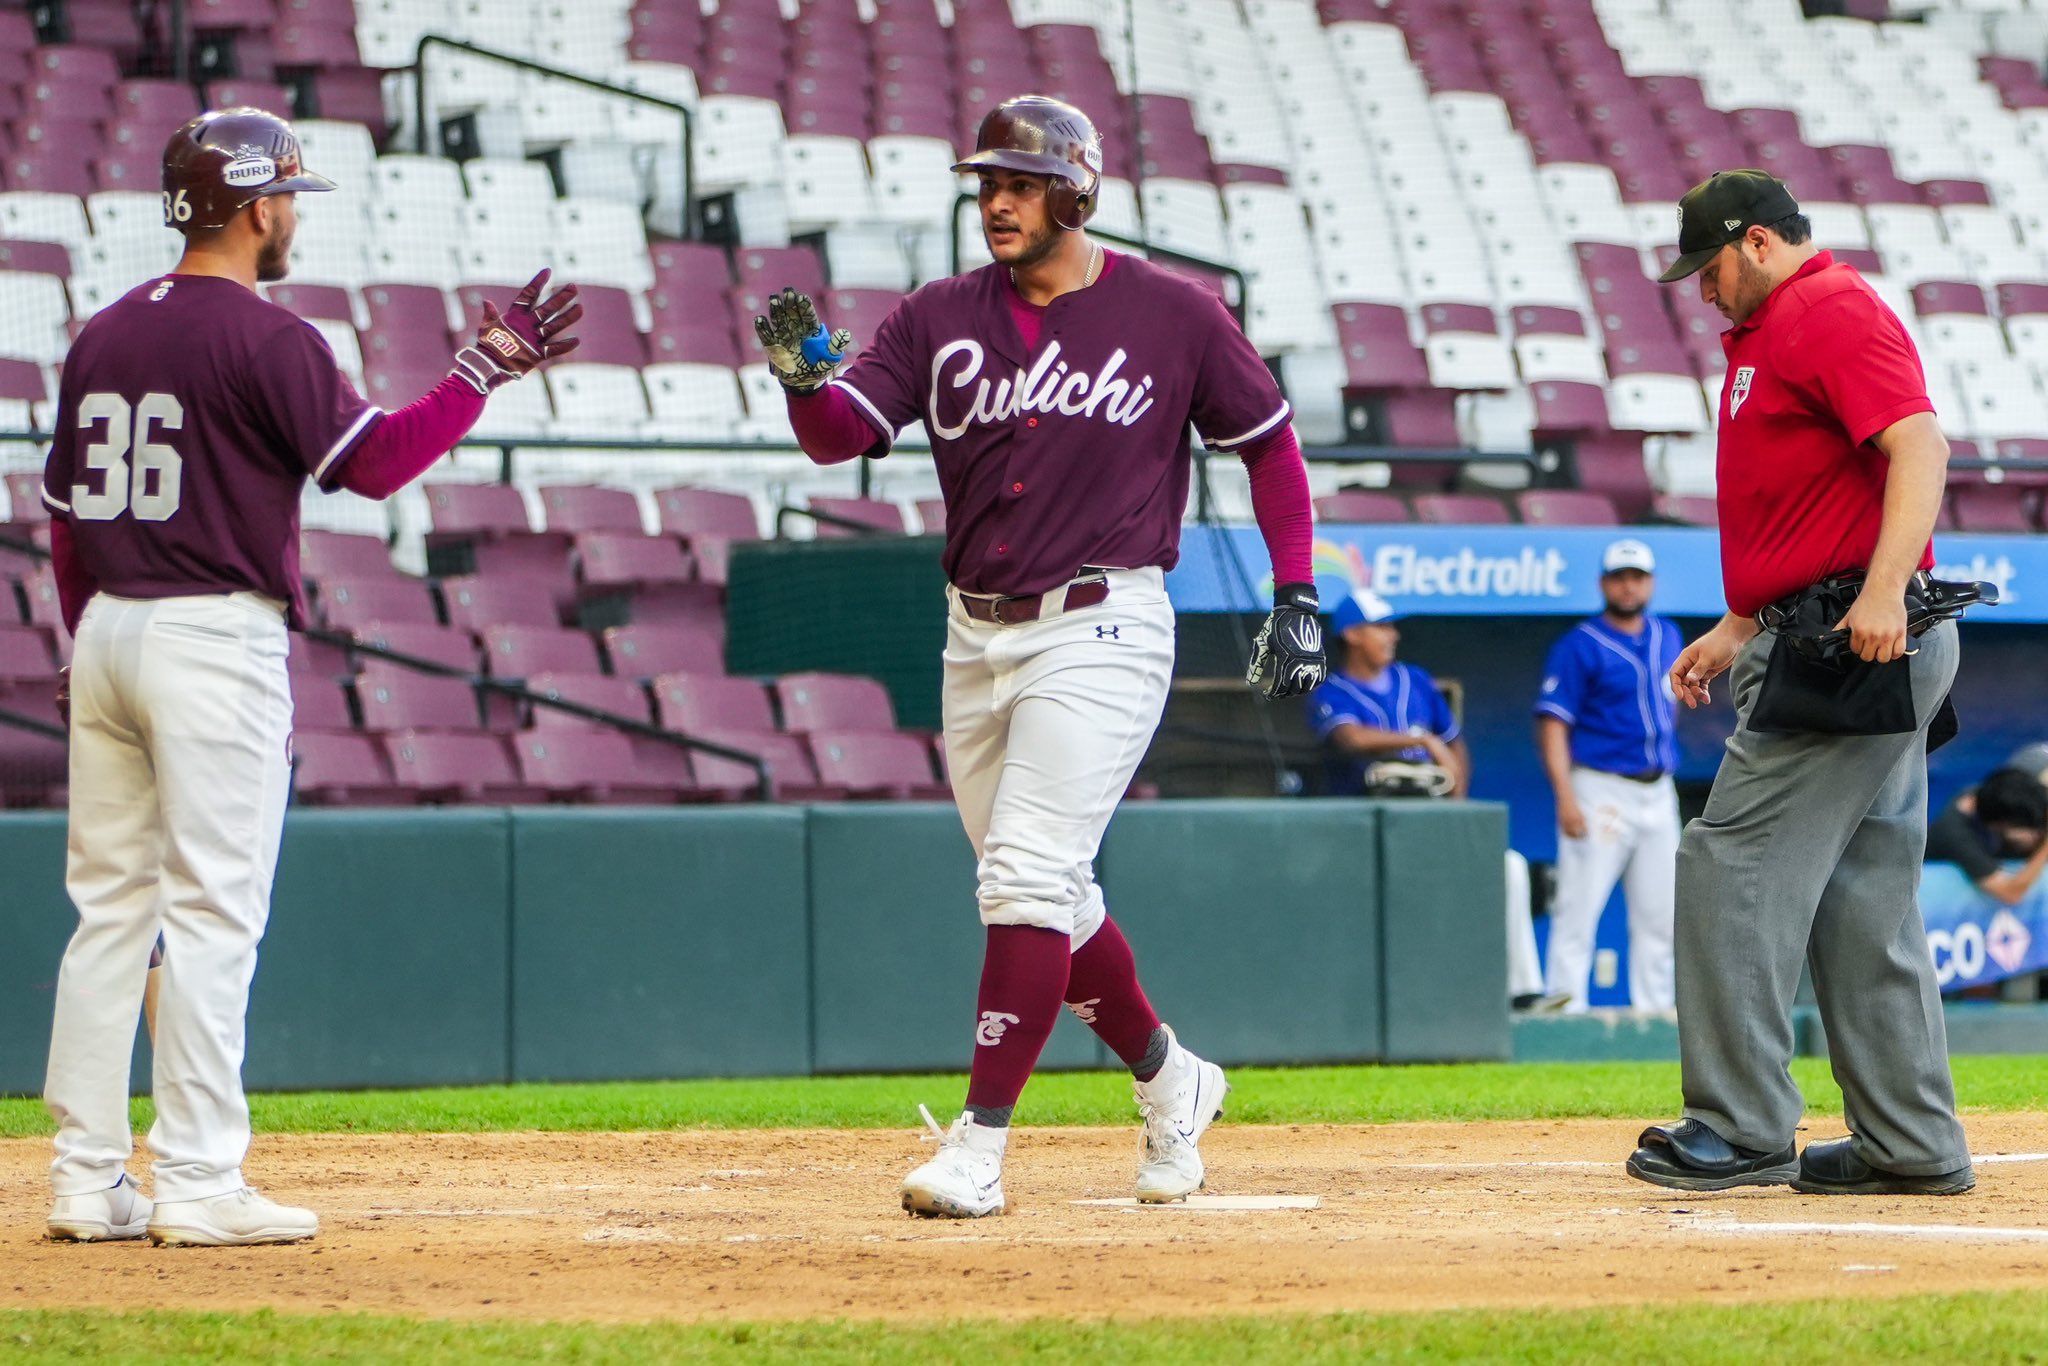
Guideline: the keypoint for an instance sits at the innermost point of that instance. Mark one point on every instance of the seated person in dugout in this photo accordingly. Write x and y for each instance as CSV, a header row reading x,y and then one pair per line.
x,y
2003,818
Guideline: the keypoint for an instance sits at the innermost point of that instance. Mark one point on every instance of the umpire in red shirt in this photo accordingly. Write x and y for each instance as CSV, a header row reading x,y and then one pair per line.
x,y
1830,469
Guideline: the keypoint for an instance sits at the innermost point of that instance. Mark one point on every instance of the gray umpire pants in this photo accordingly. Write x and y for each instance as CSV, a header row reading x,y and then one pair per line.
x,y
1810,846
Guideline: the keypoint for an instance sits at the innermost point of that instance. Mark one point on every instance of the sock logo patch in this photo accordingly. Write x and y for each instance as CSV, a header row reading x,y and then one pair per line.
x,y
1084,1011
990,1031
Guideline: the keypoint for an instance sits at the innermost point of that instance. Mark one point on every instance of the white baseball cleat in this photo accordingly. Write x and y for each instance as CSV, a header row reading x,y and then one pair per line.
x,y
965,1179
235,1219
120,1211
1177,1106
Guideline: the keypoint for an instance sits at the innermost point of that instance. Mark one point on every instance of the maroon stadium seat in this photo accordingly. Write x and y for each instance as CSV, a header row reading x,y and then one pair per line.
x,y
1536,320
1566,407
586,507
860,311
73,77
351,602
523,651
833,702
329,302
476,601
472,509
44,608
700,338
1360,505
342,555
792,773
931,514
1991,507
1686,509
764,270
408,324
53,169
449,646
698,704
25,654
691,273
320,704
41,258
1612,465
600,692
228,94
609,560
25,497
1378,353
344,768
693,512
1461,509
642,651
1949,296
1566,507
596,767
607,333
468,768
328,47
868,512
698,605
317,659
876,764
392,699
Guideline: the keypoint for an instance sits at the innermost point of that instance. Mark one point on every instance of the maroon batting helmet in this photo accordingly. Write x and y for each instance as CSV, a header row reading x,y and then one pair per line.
x,y
1047,137
223,161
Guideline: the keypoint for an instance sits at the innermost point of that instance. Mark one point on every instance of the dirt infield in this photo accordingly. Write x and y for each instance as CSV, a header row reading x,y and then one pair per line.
x,y
706,1225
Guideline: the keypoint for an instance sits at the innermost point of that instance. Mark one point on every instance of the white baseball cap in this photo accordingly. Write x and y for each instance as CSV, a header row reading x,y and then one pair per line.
x,y
1362,607
1628,554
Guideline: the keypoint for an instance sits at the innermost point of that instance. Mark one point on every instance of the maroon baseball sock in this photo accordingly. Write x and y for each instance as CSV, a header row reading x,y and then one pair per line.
x,y
1023,977
1103,990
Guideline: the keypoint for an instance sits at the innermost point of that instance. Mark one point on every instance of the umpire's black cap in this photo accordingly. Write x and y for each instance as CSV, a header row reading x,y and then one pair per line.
x,y
1719,210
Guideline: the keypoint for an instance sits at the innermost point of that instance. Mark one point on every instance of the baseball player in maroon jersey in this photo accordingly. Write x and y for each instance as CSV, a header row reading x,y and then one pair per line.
x,y
1058,384
190,416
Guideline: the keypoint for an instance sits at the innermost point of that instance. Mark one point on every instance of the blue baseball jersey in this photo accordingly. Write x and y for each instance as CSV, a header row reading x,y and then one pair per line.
x,y
1403,698
1614,691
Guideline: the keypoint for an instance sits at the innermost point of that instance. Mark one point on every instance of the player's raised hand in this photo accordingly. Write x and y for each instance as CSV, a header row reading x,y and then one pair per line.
x,y
1287,657
800,351
510,345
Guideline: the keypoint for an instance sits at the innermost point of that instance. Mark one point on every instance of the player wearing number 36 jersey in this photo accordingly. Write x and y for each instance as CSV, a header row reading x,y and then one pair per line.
x,y
191,414
1058,385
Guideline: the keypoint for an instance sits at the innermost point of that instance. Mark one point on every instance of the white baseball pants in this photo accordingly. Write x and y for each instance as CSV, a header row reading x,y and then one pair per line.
x,y
1631,836
1045,723
1525,967
181,717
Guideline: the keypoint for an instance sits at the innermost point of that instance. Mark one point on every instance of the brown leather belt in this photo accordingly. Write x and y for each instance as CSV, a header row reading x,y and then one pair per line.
x,y
1015,611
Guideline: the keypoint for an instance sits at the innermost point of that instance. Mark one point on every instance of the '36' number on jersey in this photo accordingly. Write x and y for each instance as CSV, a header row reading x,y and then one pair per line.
x,y
147,484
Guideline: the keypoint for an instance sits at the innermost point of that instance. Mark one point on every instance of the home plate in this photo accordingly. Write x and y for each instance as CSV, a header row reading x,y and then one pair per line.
x,y
1202,1204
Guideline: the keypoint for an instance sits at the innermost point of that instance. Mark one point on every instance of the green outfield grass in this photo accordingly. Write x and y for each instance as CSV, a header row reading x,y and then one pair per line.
x,y
1982,1328
1262,1095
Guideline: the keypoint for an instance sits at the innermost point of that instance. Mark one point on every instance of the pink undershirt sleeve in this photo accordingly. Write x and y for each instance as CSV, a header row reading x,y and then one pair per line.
x,y
829,427
75,583
405,444
1280,502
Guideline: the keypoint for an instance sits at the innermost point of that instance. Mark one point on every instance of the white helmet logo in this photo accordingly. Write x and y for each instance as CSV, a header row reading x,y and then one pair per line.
x,y
250,169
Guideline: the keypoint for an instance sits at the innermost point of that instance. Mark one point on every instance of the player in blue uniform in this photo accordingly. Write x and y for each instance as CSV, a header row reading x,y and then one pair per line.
x,y
1606,726
1375,709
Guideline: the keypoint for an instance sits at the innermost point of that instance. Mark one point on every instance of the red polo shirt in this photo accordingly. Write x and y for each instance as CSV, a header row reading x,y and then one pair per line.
x,y
1816,372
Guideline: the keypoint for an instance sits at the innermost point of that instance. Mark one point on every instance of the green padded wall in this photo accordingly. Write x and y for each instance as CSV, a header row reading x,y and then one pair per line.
x,y
1255,923
874,606
36,921
384,963
1443,918
659,943
896,945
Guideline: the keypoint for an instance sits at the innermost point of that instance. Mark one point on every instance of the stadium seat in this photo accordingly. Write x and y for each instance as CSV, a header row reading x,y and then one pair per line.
x,y
459,768
391,699
1995,508
346,603
1361,505
1461,509
448,646
317,659
1686,510
700,703
343,768
476,602
25,654
324,554
792,773
641,652
1566,507
833,702
575,508
876,764
624,697
512,652
319,704
610,560
599,767
863,512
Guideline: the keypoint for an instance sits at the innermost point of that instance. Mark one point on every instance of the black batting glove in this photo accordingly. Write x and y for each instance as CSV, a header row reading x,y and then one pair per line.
x,y
1287,657
800,350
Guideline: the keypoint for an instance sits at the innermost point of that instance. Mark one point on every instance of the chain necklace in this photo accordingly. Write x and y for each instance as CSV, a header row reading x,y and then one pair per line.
x,y
1093,272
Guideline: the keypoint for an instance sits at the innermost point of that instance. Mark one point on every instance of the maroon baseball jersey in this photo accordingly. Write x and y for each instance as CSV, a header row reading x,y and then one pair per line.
x,y
1075,451
190,416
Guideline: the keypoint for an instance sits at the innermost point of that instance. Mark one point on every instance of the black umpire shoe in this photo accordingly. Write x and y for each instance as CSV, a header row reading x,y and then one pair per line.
x,y
1688,1156
1833,1168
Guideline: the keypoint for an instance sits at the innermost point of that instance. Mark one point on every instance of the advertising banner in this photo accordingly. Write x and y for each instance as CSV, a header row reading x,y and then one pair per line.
x,y
1975,939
